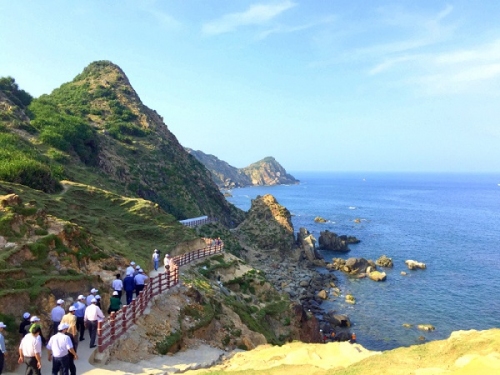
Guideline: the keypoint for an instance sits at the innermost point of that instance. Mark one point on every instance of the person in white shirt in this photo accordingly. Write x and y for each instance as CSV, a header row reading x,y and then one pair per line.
x,y
3,350
117,285
156,259
30,351
130,268
93,314
59,347
92,295
56,315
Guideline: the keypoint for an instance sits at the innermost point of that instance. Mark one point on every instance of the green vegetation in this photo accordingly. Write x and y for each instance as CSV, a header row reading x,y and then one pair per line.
x,y
11,89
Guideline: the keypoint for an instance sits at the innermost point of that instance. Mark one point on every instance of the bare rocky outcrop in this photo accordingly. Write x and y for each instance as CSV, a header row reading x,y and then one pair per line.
x,y
307,244
333,242
413,265
384,261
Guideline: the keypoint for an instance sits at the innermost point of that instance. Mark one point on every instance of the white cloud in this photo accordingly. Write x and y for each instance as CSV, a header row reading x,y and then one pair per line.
x,y
282,29
255,15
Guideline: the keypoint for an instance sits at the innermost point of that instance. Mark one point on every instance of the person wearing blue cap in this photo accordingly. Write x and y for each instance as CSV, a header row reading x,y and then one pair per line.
x,y
25,324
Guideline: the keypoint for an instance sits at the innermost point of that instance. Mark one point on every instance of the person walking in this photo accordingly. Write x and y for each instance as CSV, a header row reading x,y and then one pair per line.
x,y
59,347
56,314
30,351
25,324
80,313
92,315
70,320
115,303
35,320
139,280
131,268
3,349
156,259
74,341
93,293
117,285
129,286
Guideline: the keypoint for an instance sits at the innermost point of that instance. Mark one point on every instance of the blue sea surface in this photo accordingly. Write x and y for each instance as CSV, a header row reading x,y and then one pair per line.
x,y
451,222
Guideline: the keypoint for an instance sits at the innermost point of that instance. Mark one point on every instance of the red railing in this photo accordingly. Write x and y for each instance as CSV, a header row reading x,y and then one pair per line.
x,y
109,330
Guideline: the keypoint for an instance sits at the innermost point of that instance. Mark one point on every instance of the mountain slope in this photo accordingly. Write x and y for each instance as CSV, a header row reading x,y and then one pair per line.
x,y
264,172
96,130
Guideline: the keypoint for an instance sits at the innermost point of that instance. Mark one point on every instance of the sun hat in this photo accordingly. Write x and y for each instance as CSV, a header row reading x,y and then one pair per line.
x,y
81,296
2,325
129,274
34,319
93,300
94,290
26,315
115,293
72,308
167,255
137,267
141,270
60,301
132,263
62,327
98,297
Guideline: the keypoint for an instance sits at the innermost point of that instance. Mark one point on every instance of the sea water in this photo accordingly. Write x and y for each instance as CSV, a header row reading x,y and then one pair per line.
x,y
451,222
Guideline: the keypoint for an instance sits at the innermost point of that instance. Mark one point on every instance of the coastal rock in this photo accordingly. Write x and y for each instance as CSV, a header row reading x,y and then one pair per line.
x,y
358,266
319,219
337,320
413,264
333,242
349,298
377,276
384,261
426,327
307,243
322,294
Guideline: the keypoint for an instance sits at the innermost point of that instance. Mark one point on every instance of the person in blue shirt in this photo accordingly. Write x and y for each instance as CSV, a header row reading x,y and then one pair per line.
x,y
129,286
3,350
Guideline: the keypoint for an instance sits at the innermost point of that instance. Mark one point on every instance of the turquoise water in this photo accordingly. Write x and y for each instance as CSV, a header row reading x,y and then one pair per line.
x,y
451,222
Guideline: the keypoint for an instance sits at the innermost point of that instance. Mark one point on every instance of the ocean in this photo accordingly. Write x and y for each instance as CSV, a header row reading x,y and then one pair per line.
x,y
451,222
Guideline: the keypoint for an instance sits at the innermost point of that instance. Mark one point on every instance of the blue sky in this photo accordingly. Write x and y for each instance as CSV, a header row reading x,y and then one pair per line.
x,y
319,85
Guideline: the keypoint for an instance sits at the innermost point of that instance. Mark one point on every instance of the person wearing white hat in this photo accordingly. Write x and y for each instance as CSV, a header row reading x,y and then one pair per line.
x,y
156,259
117,285
56,315
70,320
93,314
30,350
80,307
130,269
136,271
92,294
129,287
140,280
59,346
3,349
115,303
25,323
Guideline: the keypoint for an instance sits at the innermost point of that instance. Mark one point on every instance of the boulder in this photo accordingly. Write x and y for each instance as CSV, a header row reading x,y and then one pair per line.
x,y
413,264
358,266
322,294
426,327
333,242
384,261
319,219
337,320
377,276
307,242
349,298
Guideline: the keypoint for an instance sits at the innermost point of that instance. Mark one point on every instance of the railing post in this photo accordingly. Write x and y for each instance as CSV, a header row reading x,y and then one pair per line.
x,y
112,325
99,337
160,289
124,318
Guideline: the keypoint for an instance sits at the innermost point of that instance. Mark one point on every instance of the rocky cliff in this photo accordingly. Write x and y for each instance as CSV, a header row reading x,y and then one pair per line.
x,y
264,172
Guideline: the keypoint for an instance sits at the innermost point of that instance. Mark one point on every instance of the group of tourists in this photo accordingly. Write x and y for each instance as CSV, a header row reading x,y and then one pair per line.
x,y
68,326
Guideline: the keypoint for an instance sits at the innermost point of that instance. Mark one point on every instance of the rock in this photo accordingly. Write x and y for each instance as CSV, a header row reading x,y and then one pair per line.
x,y
331,241
426,327
10,200
384,261
322,294
413,264
358,266
377,276
407,325
349,298
337,320
319,219
403,273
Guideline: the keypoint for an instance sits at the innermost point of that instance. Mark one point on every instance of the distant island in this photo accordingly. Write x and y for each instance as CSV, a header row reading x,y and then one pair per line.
x,y
262,173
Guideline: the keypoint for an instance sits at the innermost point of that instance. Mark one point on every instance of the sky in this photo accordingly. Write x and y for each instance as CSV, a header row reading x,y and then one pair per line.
x,y
324,85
